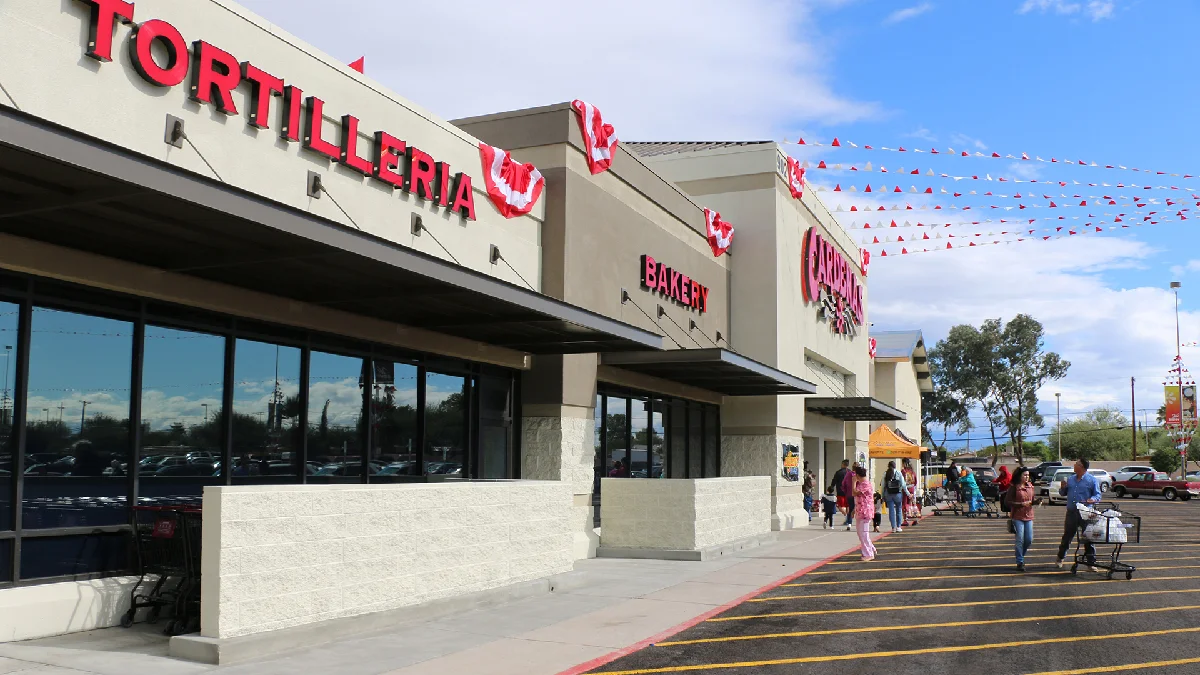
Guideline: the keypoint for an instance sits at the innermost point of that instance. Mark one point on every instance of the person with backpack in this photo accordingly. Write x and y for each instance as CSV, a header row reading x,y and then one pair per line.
x,y
894,488
912,510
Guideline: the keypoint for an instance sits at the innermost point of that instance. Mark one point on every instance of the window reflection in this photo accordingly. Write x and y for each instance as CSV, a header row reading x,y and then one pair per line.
x,y
677,440
616,436
657,436
712,443
695,442
639,462
43,557
394,420
182,380
266,411
9,317
445,424
335,405
77,423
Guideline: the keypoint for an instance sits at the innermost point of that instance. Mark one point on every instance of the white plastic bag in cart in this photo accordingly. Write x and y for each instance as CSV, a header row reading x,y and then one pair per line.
x,y
1086,512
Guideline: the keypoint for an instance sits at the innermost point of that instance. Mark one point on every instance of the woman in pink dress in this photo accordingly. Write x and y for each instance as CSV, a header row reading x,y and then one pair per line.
x,y
864,512
912,512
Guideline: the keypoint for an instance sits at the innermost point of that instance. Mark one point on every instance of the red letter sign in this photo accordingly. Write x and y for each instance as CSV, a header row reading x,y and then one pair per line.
x,y
103,22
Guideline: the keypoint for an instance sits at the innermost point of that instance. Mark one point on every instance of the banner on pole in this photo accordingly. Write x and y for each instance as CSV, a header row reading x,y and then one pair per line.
x,y
1174,413
1188,407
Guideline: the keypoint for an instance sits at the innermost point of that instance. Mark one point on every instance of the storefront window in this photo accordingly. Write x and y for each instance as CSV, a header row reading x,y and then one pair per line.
x,y
695,442
98,553
335,415
266,411
495,425
639,456
677,440
182,420
9,318
445,424
712,442
657,437
616,437
394,420
77,422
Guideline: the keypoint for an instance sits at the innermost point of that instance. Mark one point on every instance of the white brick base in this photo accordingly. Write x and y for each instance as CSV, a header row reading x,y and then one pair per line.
x,y
762,455
563,449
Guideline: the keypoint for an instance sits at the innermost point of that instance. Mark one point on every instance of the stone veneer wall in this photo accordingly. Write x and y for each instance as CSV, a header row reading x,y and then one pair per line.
x,y
683,514
276,556
563,449
762,455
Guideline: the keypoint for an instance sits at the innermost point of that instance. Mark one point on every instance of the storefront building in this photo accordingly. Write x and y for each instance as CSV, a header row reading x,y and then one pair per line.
x,y
241,275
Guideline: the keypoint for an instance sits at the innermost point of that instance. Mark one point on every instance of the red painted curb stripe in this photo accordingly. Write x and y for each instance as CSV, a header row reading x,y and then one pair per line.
x,y
609,658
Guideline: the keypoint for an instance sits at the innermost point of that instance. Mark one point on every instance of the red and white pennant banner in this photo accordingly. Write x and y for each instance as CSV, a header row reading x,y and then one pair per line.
x,y
951,152
599,137
930,173
720,233
965,241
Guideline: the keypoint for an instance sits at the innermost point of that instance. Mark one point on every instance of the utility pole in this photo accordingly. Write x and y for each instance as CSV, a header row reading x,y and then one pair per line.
x,y
1058,410
82,417
61,407
1133,407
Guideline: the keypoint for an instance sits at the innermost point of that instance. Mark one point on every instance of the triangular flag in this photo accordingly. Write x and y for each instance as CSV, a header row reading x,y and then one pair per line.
x,y
359,64
836,143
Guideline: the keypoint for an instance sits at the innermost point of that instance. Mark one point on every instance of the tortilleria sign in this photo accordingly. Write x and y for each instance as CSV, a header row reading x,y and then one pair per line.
x,y
657,277
160,55
831,280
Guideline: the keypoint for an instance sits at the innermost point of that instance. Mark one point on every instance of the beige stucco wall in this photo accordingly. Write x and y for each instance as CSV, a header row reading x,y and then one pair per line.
x,y
684,514
110,101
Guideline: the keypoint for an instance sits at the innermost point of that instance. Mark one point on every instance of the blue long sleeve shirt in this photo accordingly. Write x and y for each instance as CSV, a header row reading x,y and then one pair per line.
x,y
1078,490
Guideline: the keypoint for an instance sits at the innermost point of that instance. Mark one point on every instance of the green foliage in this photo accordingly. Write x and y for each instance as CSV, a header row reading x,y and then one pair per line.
x,y
1165,460
1000,368
1099,434
1040,451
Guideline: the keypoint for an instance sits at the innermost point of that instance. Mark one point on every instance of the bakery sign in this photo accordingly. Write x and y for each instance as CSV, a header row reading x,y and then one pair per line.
x,y
659,278
160,56
830,280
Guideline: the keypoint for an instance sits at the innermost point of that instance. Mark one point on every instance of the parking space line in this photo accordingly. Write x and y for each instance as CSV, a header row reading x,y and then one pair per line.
x,y
1047,556
904,652
957,588
919,626
1062,572
861,569
1117,669
973,603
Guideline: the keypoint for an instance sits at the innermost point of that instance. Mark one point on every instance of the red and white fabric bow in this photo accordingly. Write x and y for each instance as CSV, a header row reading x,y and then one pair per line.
x,y
871,347
720,233
795,178
600,138
514,188
864,260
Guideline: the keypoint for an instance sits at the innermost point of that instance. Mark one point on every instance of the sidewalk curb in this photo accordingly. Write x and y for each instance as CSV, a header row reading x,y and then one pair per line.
x,y
625,651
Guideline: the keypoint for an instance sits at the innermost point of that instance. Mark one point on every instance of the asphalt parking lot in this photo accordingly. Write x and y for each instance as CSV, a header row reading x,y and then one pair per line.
x,y
945,597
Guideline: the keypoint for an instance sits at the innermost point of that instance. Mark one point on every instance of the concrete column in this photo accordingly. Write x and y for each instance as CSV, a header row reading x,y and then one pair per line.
x,y
557,434
762,455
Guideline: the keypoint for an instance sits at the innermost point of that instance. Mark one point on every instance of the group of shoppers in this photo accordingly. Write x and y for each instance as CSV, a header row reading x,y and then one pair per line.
x,y
853,495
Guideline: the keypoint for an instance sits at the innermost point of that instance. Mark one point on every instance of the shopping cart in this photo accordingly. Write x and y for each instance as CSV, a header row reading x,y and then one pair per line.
x,y
948,495
168,564
1104,524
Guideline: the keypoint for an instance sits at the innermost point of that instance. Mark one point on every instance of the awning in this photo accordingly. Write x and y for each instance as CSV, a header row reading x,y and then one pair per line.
x,y
61,187
718,370
858,409
885,443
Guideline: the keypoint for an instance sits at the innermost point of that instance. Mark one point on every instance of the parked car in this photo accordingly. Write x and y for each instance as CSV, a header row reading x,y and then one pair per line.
x,y
1038,472
1126,472
1157,483
1048,487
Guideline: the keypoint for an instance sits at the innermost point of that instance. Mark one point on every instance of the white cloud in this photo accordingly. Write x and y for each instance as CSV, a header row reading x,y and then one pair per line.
x,y
658,70
963,139
1109,333
923,134
908,13
1182,270
1093,9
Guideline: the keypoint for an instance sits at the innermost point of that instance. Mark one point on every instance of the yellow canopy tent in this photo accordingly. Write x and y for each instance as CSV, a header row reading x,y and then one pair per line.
x,y
884,443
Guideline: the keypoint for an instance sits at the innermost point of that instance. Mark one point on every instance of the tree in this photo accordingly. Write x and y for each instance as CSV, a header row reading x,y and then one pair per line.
x,y
1099,434
1021,367
1165,460
941,408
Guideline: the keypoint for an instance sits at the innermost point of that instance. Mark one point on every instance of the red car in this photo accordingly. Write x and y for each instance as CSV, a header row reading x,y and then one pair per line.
x,y
1155,483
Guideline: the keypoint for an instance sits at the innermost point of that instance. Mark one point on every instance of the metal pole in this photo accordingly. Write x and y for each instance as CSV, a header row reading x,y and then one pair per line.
x,y
1133,407
7,362
1058,409
82,417
1179,375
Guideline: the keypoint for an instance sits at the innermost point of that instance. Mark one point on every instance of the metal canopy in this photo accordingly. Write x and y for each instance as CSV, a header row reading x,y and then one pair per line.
x,y
717,370
858,409
71,190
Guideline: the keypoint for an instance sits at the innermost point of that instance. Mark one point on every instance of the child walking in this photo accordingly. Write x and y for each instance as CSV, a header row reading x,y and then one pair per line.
x,y
864,512
829,507
878,519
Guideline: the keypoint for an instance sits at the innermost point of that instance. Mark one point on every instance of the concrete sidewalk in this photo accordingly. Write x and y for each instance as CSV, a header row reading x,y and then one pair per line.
x,y
603,606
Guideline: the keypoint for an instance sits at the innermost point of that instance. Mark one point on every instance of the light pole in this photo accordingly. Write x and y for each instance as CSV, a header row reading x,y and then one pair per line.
x,y
1175,286
4,401
1058,411
205,406
82,417
47,411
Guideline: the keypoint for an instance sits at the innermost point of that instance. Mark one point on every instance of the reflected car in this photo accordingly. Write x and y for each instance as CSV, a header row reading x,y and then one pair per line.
x,y
1126,472
443,468
45,470
190,469
396,469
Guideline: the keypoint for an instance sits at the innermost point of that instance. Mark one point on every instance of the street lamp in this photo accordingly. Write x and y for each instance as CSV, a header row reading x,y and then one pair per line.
x,y
205,406
82,417
1058,410
47,411
7,361
1175,286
